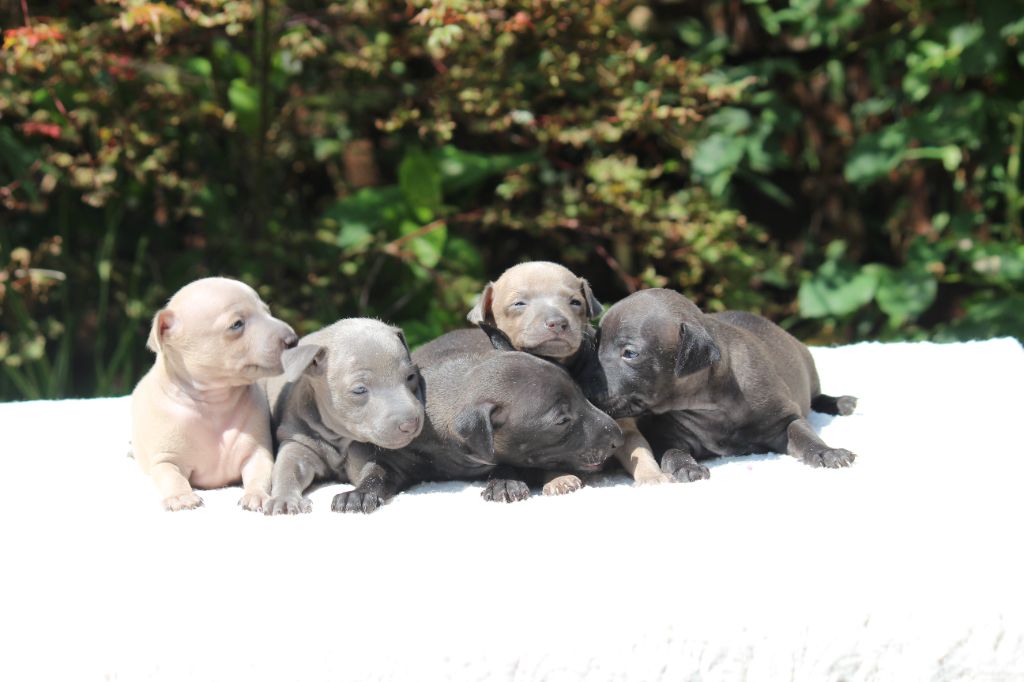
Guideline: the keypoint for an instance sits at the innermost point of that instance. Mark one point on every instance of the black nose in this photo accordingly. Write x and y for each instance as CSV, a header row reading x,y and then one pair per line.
x,y
291,340
617,438
557,323
409,425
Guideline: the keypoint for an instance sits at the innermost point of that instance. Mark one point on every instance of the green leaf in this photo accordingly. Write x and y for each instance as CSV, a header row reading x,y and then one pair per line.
x,y
906,293
427,247
420,181
462,171
837,289
245,102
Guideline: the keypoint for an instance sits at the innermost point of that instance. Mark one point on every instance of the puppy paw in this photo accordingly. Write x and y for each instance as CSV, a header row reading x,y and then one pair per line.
x,y
187,500
681,466
505,490
650,477
253,501
845,405
356,501
287,504
830,458
563,485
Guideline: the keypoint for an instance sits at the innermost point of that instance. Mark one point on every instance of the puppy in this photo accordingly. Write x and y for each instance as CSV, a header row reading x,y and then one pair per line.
x,y
348,383
492,414
544,309
198,419
720,384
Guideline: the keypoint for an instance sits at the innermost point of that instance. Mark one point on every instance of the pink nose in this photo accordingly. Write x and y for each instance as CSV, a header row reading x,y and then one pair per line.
x,y
558,324
409,425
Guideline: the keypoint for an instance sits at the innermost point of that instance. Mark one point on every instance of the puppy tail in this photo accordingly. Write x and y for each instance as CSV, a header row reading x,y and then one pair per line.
x,y
827,404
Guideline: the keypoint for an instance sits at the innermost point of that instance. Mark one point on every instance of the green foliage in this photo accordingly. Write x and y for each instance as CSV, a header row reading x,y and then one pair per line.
x,y
850,168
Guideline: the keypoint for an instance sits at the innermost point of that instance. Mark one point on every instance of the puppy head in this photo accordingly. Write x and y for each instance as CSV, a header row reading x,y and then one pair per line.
x,y
649,342
366,385
542,307
528,413
220,334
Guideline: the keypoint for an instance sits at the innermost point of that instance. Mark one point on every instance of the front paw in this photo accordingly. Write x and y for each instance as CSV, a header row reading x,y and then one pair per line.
x,y
356,501
652,477
287,504
681,466
562,485
505,490
253,501
187,500
830,458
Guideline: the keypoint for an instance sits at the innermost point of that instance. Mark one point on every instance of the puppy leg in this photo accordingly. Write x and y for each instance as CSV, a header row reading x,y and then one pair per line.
x,y
805,445
373,487
505,486
556,483
827,404
636,456
174,488
682,466
295,469
256,475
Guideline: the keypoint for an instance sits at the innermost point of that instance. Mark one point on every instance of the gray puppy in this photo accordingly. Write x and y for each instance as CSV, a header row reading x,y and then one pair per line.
x,y
728,383
351,382
492,414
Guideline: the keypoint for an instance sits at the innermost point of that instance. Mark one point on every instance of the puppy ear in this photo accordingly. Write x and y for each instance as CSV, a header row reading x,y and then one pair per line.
x,y
594,307
300,359
482,312
499,339
401,337
163,322
697,349
475,427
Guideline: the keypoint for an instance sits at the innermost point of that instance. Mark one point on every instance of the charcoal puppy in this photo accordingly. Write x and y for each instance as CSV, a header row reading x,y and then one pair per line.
x,y
491,414
544,309
728,383
350,382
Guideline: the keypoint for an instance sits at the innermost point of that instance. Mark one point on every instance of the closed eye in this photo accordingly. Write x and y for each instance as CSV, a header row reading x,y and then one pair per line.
x,y
563,421
359,390
518,304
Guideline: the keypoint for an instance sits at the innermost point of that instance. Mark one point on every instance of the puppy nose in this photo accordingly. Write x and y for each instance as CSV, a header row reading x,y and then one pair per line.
x,y
617,439
409,425
557,323
291,340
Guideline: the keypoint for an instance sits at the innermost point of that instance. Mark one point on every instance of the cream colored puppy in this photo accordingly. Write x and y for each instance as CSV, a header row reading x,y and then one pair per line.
x,y
198,417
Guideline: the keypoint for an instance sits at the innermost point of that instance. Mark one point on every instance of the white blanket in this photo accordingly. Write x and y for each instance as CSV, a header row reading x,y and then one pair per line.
x,y
906,566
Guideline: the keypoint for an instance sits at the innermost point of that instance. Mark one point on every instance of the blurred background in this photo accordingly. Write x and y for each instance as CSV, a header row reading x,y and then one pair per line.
x,y
849,168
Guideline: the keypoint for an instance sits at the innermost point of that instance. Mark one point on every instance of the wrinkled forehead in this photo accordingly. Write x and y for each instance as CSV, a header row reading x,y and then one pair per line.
x,y
628,321
214,297
528,289
378,356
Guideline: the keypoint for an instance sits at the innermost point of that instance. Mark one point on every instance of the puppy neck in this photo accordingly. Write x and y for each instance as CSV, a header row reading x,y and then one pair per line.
x,y
182,387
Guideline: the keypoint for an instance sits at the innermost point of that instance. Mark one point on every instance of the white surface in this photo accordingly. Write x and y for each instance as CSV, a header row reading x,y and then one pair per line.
x,y
906,566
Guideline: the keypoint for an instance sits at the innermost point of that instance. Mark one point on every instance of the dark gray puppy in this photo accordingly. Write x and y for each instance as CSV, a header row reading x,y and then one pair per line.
x,y
728,383
351,382
491,414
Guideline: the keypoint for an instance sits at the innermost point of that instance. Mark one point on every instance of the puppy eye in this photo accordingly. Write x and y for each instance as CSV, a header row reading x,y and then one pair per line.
x,y
411,377
629,353
575,302
563,421
359,390
237,326
518,304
